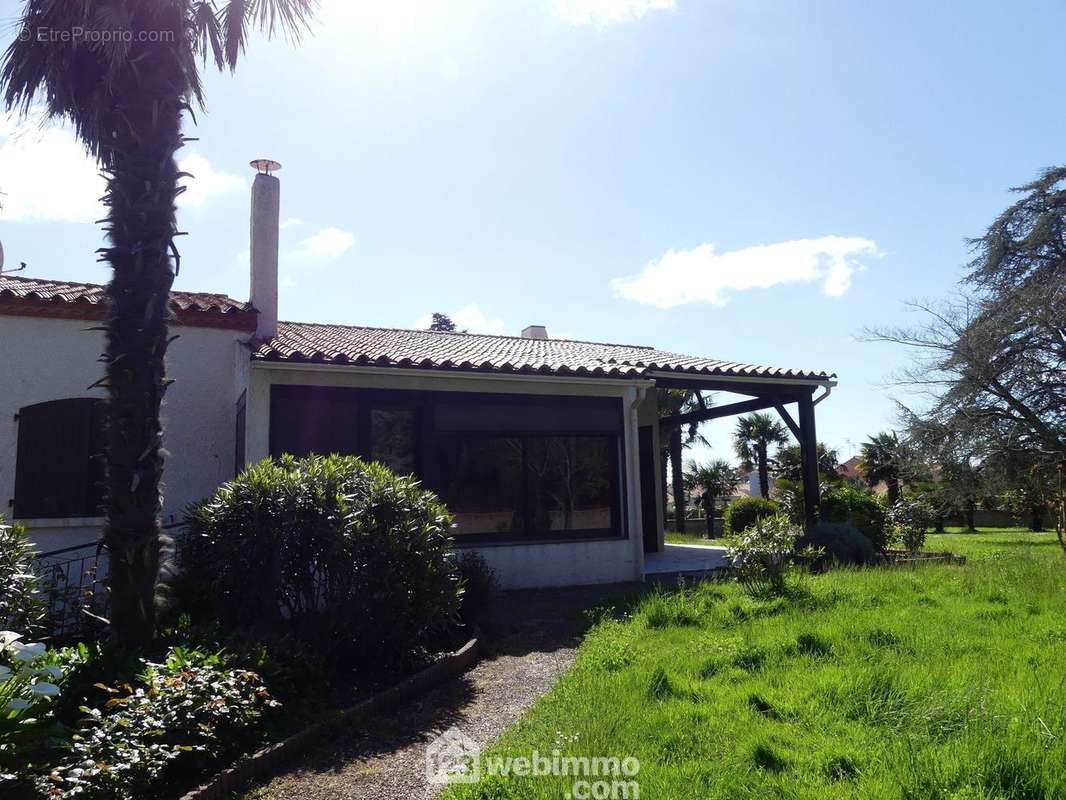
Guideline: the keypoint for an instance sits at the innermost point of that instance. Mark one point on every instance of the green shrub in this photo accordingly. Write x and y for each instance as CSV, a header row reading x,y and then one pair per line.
x,y
840,543
341,553
742,513
859,508
190,708
911,519
479,585
762,554
21,608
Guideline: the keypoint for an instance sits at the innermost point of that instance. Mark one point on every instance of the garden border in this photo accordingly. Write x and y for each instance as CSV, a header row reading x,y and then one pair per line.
x,y
271,758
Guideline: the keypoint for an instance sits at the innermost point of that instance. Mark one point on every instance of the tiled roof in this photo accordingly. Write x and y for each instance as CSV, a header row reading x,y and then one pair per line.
x,y
44,297
360,346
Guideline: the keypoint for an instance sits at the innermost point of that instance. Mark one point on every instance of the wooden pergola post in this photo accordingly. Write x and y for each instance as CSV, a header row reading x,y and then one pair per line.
x,y
808,440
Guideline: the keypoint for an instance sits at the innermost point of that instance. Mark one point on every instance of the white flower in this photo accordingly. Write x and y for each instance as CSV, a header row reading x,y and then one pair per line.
x,y
45,689
28,652
54,672
7,637
17,704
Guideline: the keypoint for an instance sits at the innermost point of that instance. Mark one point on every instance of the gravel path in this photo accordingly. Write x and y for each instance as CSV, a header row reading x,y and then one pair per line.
x,y
384,759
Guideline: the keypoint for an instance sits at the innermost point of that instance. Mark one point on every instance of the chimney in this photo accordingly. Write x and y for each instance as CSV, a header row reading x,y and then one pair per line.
x,y
266,211
534,332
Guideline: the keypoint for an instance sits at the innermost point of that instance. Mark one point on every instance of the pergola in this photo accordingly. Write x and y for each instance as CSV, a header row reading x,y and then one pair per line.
x,y
777,393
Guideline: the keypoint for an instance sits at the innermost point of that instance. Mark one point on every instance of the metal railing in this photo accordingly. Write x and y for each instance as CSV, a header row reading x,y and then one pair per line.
x,y
73,583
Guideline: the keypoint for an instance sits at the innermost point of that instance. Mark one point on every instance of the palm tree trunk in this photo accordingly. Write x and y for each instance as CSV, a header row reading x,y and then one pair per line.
x,y
142,186
678,479
708,509
764,469
1036,519
893,490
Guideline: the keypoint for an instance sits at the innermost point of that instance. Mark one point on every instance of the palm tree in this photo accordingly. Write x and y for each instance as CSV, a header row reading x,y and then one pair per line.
x,y
671,403
752,439
715,479
790,463
126,97
883,459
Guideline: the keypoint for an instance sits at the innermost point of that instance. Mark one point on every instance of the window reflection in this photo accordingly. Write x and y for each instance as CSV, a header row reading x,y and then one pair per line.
x,y
392,438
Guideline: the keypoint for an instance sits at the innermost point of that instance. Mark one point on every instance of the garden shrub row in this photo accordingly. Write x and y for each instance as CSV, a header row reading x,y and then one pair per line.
x,y
298,582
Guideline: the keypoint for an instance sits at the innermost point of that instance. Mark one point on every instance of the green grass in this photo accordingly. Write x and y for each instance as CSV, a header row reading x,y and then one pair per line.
x,y
937,682
690,537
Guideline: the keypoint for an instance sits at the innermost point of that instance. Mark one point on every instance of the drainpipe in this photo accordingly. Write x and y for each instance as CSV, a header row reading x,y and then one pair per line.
x,y
633,397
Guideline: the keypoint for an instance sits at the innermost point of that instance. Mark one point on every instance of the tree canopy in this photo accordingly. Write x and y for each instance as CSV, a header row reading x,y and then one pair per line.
x,y
991,363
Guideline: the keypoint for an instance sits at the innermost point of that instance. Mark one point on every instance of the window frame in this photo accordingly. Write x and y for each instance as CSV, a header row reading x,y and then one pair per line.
x,y
424,402
528,536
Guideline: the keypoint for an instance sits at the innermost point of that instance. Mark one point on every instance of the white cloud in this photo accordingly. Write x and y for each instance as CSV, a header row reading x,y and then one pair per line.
x,y
468,318
207,182
326,245
291,222
704,275
606,12
45,174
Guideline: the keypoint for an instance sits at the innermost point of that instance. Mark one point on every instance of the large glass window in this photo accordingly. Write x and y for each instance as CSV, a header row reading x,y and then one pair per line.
x,y
393,438
569,483
505,487
482,478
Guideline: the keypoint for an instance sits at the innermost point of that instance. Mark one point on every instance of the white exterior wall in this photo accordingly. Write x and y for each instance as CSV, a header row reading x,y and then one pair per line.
x,y
45,359
517,566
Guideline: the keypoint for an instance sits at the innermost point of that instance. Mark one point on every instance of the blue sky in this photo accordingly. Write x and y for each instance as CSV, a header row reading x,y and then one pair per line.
x,y
746,180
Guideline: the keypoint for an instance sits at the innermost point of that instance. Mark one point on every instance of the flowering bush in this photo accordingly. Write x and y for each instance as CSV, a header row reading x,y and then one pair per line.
x,y
190,706
911,519
761,554
28,686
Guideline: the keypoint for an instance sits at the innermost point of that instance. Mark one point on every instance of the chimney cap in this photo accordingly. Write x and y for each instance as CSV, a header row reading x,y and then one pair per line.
x,y
265,165
534,332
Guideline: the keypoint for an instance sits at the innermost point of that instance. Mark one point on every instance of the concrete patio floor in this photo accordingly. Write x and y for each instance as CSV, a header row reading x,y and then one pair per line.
x,y
681,559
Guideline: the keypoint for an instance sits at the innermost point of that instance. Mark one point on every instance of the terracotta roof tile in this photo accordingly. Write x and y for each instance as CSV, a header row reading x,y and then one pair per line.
x,y
347,344
67,298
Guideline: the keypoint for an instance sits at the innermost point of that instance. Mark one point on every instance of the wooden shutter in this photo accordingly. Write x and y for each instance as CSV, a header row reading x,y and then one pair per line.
x,y
59,468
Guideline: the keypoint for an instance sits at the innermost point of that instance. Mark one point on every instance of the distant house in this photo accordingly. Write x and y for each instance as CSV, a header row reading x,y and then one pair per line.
x,y
849,470
547,451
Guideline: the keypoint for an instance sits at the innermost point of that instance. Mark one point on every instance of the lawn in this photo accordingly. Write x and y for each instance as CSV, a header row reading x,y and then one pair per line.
x,y
693,537
934,682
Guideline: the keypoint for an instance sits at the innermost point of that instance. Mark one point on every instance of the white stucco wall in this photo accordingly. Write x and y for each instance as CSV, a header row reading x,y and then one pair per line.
x,y
50,359
576,563
517,566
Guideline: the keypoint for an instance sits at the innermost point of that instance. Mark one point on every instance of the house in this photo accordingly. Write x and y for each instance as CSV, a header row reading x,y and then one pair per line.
x,y
546,450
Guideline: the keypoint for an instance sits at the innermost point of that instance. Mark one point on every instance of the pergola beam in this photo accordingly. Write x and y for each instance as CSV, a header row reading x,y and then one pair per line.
x,y
792,426
717,412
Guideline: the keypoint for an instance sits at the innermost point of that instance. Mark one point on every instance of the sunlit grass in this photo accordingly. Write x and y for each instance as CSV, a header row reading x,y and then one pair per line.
x,y
694,537
930,682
